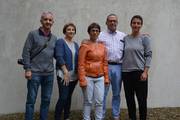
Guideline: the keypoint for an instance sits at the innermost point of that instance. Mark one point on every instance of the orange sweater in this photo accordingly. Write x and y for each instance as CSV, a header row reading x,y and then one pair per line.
x,y
92,62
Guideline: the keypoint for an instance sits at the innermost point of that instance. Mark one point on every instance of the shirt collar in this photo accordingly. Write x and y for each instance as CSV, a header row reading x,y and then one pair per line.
x,y
110,32
43,34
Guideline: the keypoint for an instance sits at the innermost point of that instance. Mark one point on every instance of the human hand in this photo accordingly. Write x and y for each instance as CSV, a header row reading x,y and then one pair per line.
x,y
83,87
28,75
144,76
107,84
66,78
146,34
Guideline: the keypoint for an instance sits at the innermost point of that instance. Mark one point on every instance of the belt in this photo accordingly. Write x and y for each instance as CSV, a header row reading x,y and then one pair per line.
x,y
114,63
95,76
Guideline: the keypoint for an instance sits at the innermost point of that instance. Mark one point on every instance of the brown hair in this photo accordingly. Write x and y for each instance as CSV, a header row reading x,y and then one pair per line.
x,y
138,17
67,25
93,25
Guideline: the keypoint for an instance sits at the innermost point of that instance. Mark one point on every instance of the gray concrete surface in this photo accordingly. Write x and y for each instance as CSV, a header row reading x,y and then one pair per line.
x,y
161,21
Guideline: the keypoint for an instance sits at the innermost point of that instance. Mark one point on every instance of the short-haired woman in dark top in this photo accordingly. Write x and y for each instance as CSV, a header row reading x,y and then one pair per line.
x,y
66,54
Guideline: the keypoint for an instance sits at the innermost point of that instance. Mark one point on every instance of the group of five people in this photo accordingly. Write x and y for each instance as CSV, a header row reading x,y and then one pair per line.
x,y
105,58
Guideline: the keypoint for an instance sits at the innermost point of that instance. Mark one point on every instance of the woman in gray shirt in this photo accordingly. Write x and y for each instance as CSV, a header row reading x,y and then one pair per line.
x,y
136,63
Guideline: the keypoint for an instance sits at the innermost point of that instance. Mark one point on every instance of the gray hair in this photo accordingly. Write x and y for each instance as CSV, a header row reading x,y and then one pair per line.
x,y
112,14
46,13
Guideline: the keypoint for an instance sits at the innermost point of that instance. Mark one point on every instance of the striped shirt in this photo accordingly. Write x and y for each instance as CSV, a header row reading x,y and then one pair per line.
x,y
114,44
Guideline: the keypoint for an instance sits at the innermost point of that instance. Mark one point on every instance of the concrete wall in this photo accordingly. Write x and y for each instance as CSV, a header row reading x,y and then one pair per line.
x,y
161,21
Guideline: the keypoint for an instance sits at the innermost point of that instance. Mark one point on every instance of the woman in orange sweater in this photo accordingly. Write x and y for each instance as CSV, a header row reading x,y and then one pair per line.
x,y
93,72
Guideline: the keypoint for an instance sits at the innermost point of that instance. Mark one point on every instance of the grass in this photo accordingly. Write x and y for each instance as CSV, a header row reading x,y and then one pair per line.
x,y
153,114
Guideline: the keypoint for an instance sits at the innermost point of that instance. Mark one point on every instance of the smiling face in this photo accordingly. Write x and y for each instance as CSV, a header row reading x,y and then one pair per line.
x,y
112,22
94,33
70,32
136,24
94,29
47,21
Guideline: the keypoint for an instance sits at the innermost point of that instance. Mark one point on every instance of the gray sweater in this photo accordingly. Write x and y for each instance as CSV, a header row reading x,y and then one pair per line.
x,y
137,53
42,64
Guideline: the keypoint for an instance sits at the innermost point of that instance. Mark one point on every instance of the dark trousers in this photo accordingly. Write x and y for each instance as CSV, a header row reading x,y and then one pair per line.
x,y
64,100
134,86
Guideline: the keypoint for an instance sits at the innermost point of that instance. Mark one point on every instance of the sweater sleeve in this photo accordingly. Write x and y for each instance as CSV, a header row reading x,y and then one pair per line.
x,y
105,67
59,52
81,65
26,54
147,51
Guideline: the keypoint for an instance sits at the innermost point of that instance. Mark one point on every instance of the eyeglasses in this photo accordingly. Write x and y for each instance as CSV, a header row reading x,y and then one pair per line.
x,y
94,30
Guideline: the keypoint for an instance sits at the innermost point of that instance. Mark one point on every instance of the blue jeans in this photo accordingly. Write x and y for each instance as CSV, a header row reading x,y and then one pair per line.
x,y
64,100
115,80
46,82
93,92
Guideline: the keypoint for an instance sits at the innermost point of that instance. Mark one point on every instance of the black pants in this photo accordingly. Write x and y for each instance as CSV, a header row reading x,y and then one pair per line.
x,y
64,100
134,86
